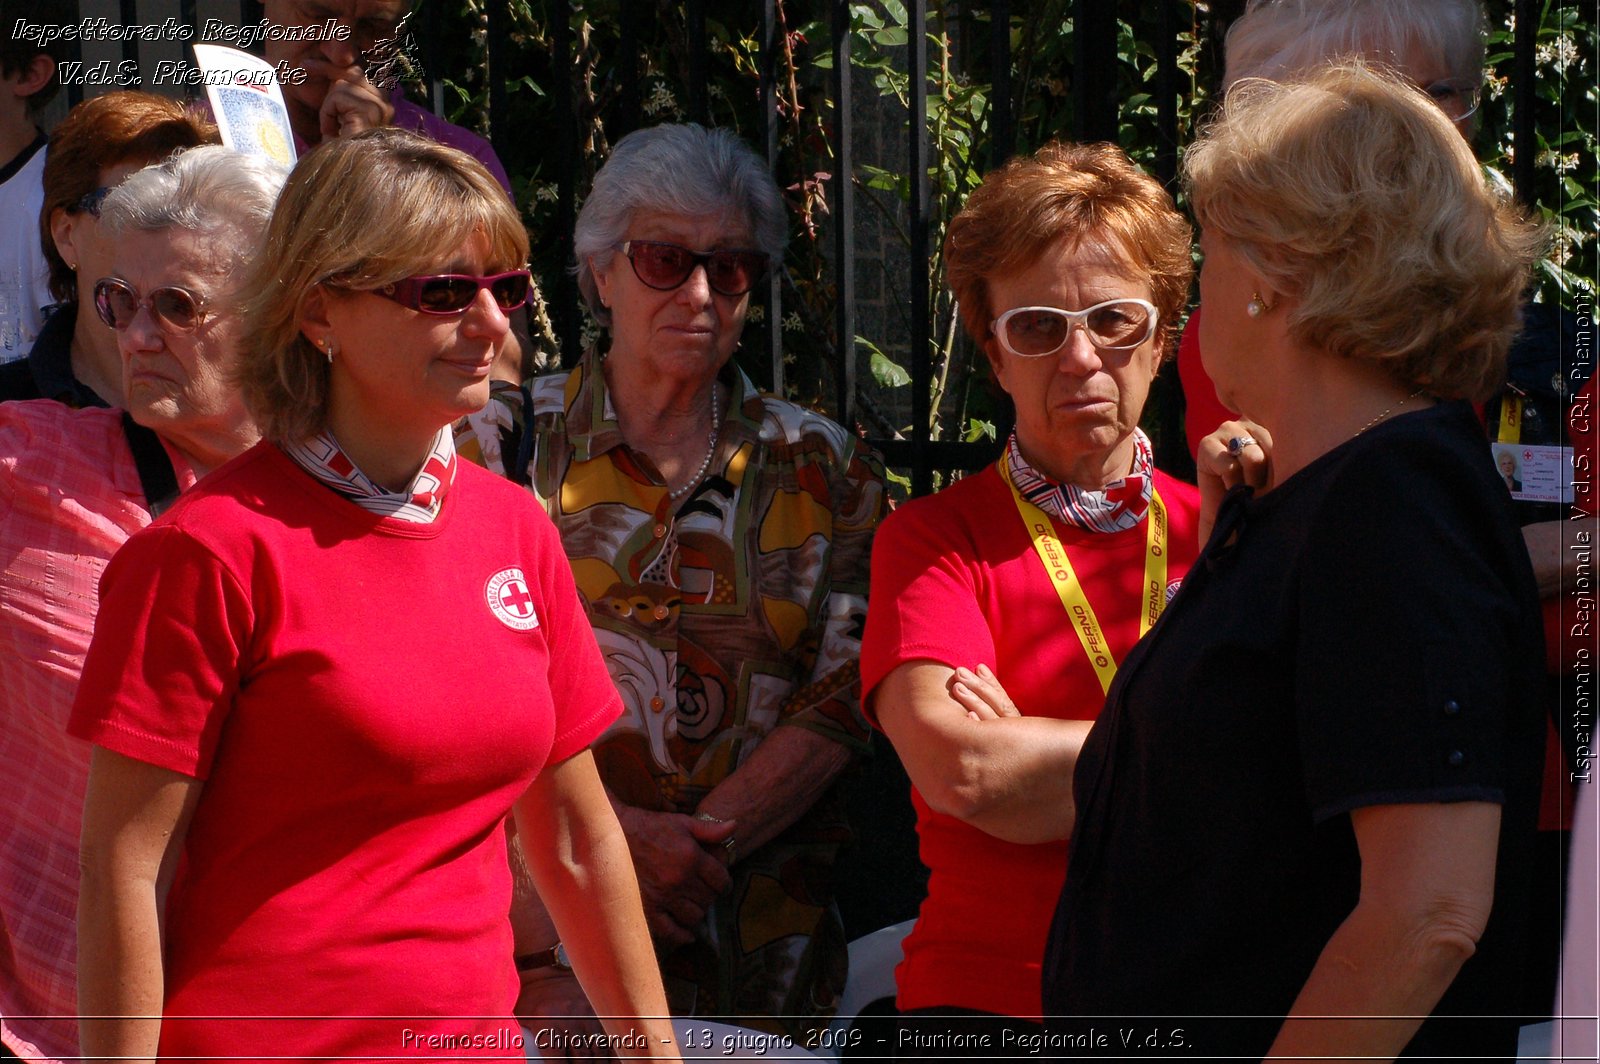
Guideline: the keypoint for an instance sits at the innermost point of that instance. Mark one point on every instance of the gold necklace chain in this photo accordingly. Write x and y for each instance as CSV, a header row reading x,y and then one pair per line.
x,y
1389,410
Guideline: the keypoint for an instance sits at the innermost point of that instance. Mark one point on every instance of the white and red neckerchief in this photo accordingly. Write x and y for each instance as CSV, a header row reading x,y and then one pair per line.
x,y
1120,505
323,458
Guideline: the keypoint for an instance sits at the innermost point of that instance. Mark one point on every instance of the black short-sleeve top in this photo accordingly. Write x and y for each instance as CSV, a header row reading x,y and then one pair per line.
x,y
1365,634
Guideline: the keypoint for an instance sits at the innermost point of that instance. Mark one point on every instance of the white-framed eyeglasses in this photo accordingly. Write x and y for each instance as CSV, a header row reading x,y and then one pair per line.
x,y
1458,98
1115,325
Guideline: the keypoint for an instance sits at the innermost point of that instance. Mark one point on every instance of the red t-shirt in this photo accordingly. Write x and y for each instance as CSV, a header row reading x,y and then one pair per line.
x,y
364,698
955,579
1202,410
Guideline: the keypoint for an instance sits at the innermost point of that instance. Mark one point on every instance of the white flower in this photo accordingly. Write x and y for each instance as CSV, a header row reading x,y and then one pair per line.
x,y
1559,53
1562,246
1561,164
661,99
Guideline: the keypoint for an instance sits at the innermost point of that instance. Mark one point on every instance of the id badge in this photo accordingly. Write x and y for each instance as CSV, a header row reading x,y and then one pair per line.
x,y
1535,472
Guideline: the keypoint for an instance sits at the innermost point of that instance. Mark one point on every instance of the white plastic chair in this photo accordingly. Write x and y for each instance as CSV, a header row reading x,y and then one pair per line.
x,y
873,958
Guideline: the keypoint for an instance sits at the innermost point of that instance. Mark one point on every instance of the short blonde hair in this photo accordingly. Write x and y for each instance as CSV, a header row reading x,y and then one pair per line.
x,y
1351,193
358,213
1083,193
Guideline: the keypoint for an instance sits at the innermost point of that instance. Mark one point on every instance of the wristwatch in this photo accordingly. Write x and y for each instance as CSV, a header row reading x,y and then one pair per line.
x,y
554,957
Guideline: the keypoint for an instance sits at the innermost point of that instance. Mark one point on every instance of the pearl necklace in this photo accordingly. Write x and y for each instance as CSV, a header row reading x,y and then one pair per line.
x,y
711,448
1392,407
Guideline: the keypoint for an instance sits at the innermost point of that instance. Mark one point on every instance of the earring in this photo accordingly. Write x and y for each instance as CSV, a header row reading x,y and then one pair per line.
x,y
73,266
1257,306
328,349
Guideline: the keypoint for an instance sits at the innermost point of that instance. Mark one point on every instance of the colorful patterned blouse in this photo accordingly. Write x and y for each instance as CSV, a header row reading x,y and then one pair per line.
x,y
729,612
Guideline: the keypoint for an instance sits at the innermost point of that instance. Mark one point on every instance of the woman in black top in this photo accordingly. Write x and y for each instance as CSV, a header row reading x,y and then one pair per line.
x,y
1311,785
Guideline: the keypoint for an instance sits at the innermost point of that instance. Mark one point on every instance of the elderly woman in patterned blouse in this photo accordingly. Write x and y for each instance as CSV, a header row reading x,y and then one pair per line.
x,y
720,539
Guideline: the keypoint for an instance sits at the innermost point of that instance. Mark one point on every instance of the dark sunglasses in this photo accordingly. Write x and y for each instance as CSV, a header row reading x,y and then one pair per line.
x,y
664,266
452,293
91,201
175,309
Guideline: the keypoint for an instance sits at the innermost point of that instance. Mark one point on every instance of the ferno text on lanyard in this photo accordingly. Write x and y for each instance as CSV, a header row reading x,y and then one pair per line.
x,y
1067,585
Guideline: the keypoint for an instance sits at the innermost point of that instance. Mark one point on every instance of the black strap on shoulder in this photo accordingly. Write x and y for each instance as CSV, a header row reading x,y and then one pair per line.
x,y
156,475
517,468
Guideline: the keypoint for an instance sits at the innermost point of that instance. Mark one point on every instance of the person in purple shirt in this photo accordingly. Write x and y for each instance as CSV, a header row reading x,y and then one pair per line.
x,y
337,98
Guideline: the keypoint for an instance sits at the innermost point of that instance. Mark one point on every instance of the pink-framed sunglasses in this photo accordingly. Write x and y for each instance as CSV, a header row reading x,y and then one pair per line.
x,y
446,294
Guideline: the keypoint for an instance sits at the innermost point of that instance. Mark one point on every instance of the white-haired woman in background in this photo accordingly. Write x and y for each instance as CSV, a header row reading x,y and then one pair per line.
x,y
720,539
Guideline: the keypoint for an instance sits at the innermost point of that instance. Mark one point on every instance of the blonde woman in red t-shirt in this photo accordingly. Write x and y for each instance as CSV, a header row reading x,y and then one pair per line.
x,y
324,681
1037,575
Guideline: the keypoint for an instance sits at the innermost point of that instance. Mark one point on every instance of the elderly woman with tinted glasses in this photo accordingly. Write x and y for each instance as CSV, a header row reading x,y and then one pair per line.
x,y
1312,791
100,142
720,542
286,689
74,485
1002,605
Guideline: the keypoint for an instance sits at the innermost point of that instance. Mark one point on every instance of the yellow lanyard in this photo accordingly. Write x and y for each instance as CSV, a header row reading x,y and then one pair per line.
x,y
1510,420
1073,598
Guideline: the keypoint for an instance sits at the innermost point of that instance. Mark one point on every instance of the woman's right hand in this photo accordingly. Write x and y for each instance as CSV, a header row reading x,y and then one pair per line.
x,y
1236,452
678,860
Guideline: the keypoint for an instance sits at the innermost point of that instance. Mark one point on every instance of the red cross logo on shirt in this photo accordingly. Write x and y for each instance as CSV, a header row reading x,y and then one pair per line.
x,y
511,599
515,597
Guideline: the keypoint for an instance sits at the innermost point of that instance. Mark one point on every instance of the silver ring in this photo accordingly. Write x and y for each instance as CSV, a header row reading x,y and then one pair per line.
x,y
1239,443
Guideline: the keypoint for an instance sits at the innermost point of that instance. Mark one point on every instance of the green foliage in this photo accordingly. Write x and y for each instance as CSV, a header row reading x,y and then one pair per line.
x,y
961,118
1566,102
888,373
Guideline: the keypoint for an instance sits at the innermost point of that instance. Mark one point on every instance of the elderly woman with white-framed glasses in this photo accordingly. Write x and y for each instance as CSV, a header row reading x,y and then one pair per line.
x,y
720,540
1002,605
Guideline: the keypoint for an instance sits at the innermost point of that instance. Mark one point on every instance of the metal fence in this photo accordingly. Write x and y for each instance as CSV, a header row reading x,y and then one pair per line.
x,y
1095,117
